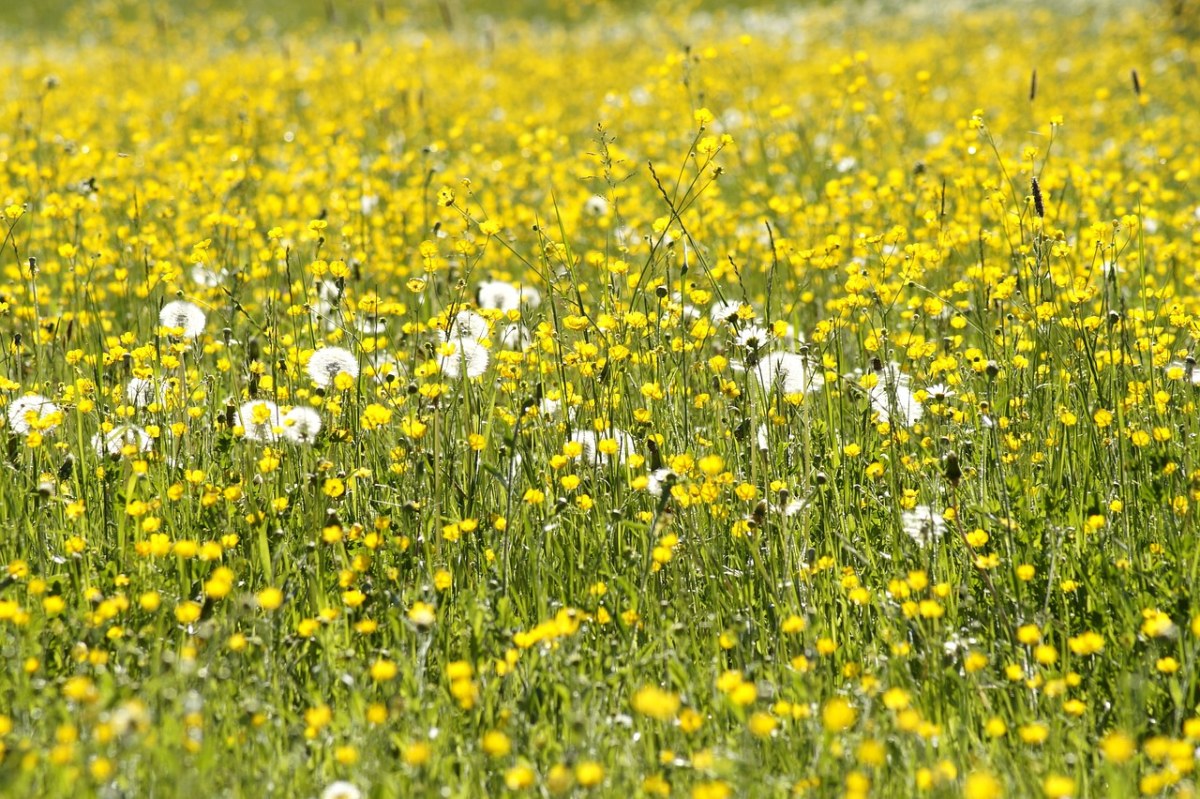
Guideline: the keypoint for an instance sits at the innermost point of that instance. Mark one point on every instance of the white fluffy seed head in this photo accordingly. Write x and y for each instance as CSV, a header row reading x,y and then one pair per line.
x,y
325,365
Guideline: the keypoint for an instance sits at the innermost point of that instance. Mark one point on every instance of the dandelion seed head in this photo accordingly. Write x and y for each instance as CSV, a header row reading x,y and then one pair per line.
x,y
504,296
116,440
462,357
33,412
301,425
182,315
923,525
468,325
259,420
139,392
790,372
326,364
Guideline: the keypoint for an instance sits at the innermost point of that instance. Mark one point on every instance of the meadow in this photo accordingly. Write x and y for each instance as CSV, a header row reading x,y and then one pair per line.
x,y
597,400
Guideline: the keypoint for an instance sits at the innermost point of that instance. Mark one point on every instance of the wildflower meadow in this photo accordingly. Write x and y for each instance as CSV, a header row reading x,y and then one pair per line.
x,y
599,398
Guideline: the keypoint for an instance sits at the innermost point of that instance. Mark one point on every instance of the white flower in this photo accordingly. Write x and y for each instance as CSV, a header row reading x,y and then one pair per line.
x,y
341,790
140,392
790,371
114,441
259,418
182,315
892,394
504,296
301,424
939,391
468,324
32,412
462,356
724,310
922,525
325,365
753,337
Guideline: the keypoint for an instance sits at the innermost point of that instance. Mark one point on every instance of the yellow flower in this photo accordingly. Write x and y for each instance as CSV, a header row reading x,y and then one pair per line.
x,y
496,744
422,614
383,670
838,715
982,785
187,612
1057,786
589,773
270,598
1087,643
1117,747
656,703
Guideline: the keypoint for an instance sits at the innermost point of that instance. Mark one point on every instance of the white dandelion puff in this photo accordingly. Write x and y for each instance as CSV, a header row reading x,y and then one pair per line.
x,y
504,296
596,206
468,324
259,420
116,440
140,392
182,315
33,412
790,372
892,394
301,425
463,356
660,480
923,525
599,449
515,337
208,278
795,507
371,325
325,365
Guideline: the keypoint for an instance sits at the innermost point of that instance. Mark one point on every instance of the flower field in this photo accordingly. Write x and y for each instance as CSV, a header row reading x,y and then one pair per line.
x,y
594,401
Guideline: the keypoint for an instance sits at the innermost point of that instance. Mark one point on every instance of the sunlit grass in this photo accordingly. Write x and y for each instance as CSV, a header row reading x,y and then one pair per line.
x,y
757,402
